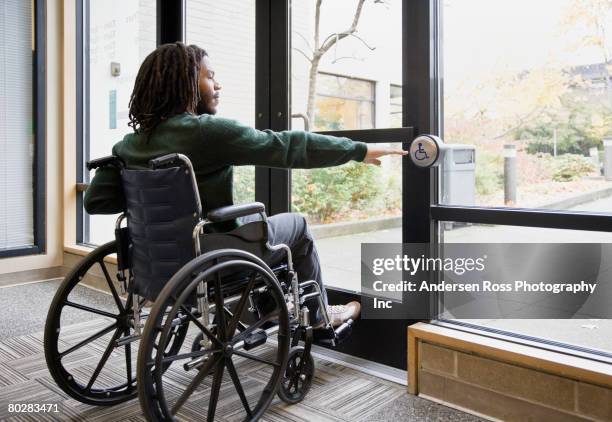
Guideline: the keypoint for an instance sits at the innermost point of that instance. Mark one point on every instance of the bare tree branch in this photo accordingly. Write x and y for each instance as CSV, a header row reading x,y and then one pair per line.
x,y
347,57
305,40
340,35
320,49
303,54
363,41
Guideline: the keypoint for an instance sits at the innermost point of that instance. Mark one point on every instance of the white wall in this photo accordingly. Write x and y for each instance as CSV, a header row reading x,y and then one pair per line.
x,y
226,30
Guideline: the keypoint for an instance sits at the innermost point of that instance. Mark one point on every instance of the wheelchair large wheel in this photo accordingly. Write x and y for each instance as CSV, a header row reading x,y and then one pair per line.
x,y
86,362
237,344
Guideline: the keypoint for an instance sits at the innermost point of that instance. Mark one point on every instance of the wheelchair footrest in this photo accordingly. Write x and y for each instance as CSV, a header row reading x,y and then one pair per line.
x,y
331,337
257,338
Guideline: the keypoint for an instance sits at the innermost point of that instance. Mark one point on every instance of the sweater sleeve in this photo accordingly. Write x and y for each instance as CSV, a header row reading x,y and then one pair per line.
x,y
228,142
104,195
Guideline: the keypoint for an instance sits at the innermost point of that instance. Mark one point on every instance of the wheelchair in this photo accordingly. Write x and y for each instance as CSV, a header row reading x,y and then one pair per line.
x,y
189,303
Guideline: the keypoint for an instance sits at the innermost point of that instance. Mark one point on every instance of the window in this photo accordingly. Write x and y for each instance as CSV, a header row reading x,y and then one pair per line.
x,y
543,92
343,103
21,129
118,36
395,106
534,106
231,48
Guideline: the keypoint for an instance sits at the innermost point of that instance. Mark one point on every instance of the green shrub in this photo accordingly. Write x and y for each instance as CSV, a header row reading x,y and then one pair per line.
x,y
244,184
568,167
489,173
325,194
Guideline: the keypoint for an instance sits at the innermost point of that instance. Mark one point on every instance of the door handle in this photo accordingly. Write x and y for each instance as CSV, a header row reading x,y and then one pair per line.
x,y
303,117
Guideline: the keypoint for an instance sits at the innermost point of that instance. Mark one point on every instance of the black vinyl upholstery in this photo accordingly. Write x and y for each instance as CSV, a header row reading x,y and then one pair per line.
x,y
162,211
161,208
235,211
250,237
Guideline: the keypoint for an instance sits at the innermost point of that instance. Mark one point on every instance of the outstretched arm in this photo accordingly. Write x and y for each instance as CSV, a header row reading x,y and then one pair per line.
x,y
231,143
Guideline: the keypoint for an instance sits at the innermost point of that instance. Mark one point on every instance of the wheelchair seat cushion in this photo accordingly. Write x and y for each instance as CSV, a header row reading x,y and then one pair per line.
x,y
250,237
162,211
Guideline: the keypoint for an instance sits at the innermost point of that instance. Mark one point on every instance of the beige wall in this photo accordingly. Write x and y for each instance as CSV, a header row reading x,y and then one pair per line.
x,y
56,38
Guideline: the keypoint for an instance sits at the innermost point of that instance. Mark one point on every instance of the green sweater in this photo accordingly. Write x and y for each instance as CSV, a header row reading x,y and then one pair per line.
x,y
214,145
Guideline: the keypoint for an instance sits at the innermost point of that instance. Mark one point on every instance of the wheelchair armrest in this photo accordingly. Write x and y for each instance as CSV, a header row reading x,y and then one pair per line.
x,y
111,160
234,211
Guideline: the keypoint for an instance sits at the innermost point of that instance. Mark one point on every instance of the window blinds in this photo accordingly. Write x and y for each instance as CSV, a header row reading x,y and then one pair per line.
x,y
16,125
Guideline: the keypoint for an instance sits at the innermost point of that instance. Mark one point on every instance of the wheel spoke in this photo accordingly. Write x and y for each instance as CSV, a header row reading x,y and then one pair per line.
x,y
111,286
214,391
196,354
128,359
241,326
89,309
240,308
255,358
234,375
198,324
197,380
105,356
88,339
219,305
243,335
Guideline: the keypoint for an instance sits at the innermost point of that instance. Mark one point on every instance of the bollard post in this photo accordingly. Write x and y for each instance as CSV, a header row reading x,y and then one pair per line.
x,y
509,174
594,154
608,158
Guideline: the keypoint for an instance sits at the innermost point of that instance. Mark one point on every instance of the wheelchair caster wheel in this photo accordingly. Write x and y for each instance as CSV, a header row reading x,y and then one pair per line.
x,y
298,376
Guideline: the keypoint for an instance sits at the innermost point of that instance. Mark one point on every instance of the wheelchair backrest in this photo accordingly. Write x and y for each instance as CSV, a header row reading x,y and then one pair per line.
x,y
162,207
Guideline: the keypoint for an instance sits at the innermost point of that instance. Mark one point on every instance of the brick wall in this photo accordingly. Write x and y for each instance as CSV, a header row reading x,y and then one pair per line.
x,y
506,391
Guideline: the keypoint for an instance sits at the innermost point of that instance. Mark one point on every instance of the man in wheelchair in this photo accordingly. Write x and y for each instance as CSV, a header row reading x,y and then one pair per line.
x,y
172,110
245,289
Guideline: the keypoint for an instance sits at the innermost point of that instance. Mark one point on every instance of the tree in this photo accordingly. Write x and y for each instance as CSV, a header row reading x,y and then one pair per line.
x,y
319,49
589,17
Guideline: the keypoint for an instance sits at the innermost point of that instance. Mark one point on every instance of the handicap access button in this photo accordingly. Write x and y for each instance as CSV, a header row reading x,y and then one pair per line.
x,y
425,150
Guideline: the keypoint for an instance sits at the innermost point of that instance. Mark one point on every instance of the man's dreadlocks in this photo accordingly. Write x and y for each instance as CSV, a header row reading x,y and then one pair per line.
x,y
167,84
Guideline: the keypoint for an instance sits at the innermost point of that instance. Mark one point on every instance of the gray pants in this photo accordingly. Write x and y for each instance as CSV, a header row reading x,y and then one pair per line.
x,y
292,230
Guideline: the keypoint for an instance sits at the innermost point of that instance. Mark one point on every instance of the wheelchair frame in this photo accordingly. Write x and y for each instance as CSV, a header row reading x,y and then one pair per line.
x,y
293,292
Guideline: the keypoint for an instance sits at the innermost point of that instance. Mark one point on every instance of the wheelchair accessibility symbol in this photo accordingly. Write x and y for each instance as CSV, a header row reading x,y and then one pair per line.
x,y
420,153
425,150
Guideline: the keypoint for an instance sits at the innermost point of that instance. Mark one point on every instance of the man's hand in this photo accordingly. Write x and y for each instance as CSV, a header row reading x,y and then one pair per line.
x,y
375,152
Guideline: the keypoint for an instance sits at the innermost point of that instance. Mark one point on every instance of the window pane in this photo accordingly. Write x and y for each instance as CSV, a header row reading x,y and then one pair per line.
x,y
350,89
334,113
16,123
340,86
395,100
591,333
534,104
229,39
120,33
